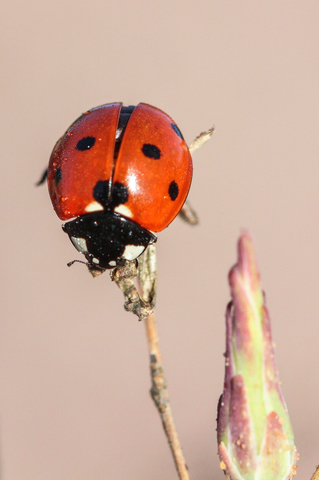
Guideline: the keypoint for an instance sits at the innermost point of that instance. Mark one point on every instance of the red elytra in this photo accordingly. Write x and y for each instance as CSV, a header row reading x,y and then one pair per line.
x,y
150,159
81,170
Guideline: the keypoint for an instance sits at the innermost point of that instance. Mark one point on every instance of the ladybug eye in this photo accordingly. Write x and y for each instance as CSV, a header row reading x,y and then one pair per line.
x,y
85,143
151,151
173,190
177,130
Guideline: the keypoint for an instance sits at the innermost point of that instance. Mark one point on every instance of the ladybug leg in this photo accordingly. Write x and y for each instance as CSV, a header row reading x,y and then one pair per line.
x,y
188,214
43,178
201,139
95,270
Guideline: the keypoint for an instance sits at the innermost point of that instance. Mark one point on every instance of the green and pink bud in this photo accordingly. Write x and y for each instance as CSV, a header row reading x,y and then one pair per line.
x,y
255,437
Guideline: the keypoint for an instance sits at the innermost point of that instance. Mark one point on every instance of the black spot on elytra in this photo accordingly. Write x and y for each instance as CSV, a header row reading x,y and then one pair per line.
x,y
57,176
101,192
173,190
151,151
85,143
119,194
177,130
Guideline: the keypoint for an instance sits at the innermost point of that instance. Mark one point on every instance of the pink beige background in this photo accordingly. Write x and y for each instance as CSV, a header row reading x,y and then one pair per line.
x,y
74,401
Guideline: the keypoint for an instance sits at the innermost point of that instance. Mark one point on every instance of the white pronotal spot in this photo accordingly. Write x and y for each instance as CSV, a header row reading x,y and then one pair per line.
x,y
112,263
80,244
95,260
133,251
93,207
123,210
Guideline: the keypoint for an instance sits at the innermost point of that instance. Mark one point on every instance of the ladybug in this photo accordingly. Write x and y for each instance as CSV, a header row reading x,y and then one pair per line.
x,y
119,174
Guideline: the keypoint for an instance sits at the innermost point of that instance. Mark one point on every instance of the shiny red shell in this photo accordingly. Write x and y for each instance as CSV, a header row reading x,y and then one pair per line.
x,y
157,186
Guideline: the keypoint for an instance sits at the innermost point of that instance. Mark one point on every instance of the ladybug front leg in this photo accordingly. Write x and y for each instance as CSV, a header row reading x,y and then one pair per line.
x,y
43,178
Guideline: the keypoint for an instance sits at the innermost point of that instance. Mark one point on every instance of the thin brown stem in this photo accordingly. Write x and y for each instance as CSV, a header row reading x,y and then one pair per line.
x,y
147,280
315,476
160,396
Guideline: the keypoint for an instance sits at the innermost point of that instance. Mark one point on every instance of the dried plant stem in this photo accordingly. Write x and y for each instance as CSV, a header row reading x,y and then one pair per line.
x,y
124,278
147,277
160,396
142,305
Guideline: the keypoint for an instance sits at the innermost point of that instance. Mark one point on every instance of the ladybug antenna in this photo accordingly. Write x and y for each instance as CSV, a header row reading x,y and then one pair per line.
x,y
95,270
77,261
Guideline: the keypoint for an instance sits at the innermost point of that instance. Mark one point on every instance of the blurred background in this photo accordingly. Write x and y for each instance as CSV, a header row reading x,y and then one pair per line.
x,y
74,398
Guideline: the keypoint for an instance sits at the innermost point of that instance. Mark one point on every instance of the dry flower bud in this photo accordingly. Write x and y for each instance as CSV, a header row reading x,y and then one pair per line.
x,y
255,437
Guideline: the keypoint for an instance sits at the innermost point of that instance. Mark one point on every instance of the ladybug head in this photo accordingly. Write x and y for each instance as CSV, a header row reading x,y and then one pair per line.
x,y
107,239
